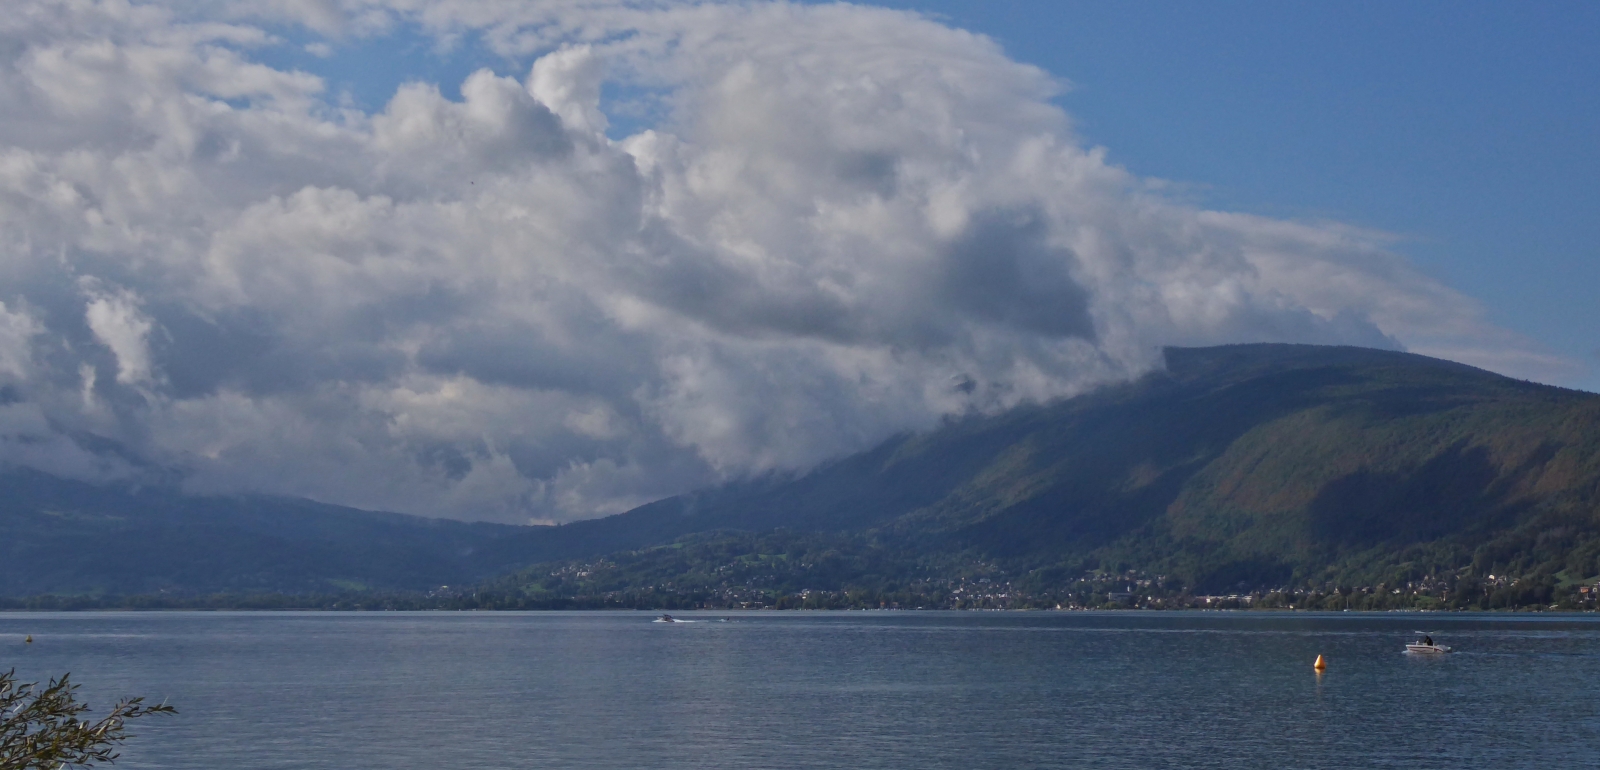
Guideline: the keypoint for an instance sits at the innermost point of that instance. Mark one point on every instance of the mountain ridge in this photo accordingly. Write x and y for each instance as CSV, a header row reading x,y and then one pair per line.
x,y
1240,466
1245,465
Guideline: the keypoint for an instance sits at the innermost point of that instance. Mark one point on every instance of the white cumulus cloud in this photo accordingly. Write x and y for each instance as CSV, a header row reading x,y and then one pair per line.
x,y
842,223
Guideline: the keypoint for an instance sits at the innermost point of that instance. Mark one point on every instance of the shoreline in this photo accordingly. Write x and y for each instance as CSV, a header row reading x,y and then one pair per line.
x,y
772,610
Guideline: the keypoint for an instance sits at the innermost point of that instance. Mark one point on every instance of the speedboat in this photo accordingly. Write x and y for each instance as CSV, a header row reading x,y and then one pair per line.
x,y
1425,646
665,619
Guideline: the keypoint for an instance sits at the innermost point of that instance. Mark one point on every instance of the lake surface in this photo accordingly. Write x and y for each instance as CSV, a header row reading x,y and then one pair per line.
x,y
832,690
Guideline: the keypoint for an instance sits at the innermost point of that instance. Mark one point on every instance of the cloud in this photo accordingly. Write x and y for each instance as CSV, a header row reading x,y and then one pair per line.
x,y
16,335
116,321
846,222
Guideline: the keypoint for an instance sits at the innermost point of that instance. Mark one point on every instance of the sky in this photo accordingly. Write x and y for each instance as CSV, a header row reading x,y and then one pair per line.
x,y
1467,129
539,262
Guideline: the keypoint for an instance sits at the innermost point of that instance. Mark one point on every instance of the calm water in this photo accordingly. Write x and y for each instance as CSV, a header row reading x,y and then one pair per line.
x,y
833,690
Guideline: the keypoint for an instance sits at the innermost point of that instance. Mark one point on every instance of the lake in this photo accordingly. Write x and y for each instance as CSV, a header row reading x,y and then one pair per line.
x,y
832,689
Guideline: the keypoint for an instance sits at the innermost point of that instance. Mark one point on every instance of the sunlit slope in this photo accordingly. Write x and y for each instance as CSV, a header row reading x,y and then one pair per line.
x,y
1253,463
1266,460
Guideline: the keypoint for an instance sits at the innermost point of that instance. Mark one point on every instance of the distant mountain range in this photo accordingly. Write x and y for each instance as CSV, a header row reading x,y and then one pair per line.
x,y
1237,468
68,537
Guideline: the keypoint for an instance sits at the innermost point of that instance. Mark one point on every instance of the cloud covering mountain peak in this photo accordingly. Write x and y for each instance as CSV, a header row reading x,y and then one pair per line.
x,y
843,223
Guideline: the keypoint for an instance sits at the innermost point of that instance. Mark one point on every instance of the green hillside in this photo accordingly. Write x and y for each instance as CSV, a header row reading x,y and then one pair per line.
x,y
1276,463
1338,474
1239,468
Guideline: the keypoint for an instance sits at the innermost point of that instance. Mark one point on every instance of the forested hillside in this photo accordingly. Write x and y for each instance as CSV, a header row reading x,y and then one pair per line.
x,y
1237,470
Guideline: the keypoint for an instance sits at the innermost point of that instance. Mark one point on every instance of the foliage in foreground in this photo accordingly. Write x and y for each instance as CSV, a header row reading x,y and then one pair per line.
x,y
43,728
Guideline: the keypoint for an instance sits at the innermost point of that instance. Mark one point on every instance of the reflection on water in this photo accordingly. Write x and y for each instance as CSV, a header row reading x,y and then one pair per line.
x,y
832,690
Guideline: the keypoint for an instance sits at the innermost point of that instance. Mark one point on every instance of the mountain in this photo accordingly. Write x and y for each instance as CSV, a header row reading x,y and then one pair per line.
x,y
1235,468
68,537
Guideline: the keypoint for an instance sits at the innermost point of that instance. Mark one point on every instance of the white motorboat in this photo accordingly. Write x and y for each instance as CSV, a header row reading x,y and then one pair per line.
x,y
1425,646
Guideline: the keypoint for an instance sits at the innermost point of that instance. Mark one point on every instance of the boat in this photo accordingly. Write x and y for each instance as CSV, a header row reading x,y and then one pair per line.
x,y
1426,646
665,619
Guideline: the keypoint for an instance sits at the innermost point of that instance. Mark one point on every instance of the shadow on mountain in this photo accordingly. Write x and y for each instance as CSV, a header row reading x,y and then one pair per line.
x,y
1452,491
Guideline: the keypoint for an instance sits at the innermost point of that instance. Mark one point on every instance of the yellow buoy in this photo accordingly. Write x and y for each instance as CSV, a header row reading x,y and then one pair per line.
x,y
1319,665
29,640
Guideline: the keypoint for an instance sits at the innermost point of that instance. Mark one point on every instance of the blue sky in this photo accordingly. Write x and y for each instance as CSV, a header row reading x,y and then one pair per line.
x,y
1472,129
1468,130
